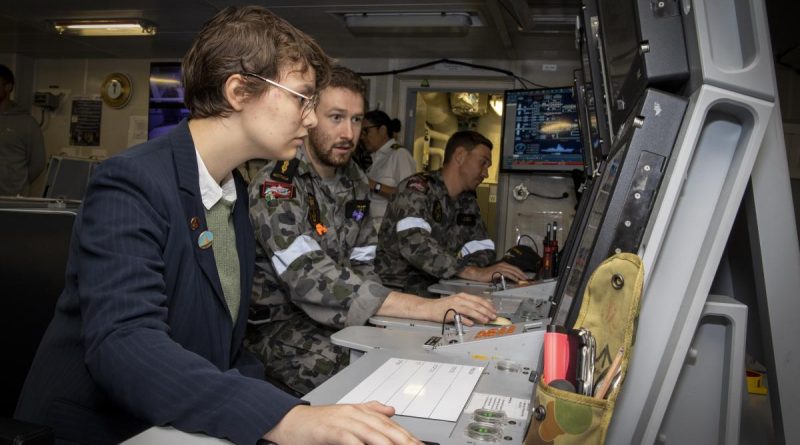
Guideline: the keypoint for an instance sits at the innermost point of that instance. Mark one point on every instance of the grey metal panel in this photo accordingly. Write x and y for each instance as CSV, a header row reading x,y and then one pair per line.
x,y
776,264
691,222
706,402
728,45
523,346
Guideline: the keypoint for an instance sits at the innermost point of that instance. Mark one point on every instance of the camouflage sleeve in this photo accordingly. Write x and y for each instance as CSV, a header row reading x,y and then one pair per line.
x,y
328,292
363,263
415,241
480,249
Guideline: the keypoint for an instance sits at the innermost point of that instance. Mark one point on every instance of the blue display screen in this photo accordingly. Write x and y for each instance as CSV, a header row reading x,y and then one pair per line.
x,y
166,98
541,130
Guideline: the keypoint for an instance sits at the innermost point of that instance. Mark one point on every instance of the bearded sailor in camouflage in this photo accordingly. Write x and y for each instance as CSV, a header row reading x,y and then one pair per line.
x,y
315,250
433,230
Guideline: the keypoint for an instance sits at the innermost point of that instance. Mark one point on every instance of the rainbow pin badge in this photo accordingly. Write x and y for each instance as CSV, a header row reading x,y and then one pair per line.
x,y
205,239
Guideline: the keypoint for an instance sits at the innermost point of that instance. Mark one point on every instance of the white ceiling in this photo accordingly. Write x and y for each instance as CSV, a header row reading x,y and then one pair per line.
x,y
25,29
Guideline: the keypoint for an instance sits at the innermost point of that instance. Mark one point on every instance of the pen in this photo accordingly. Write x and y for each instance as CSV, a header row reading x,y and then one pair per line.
x,y
610,374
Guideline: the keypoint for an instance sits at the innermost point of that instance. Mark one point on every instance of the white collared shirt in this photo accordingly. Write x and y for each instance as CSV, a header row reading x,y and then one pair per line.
x,y
389,167
210,191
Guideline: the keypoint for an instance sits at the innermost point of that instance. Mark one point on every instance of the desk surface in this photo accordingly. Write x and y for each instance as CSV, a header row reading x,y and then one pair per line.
x,y
168,435
495,381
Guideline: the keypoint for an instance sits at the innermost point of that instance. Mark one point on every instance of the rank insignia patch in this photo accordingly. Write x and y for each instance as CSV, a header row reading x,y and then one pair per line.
x,y
418,184
271,190
284,171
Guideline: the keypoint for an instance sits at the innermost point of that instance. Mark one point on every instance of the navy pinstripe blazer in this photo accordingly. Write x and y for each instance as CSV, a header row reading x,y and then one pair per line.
x,y
141,334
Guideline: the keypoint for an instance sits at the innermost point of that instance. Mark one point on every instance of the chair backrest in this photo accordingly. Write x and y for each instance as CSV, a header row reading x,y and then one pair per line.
x,y
33,260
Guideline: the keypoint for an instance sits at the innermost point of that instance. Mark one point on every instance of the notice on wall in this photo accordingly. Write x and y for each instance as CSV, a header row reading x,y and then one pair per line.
x,y
84,127
137,130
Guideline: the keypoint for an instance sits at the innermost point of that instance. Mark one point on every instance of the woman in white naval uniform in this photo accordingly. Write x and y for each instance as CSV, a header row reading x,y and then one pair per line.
x,y
391,163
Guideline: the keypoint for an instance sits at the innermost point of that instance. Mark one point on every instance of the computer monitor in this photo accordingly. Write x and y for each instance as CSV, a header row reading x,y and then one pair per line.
x,y
67,178
590,136
642,45
541,131
626,190
166,98
592,66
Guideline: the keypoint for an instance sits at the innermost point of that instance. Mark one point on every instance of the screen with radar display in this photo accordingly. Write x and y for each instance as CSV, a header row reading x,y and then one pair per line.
x,y
541,131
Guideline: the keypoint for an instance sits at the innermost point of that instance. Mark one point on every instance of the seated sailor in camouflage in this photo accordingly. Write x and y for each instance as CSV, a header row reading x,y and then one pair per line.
x,y
316,245
433,230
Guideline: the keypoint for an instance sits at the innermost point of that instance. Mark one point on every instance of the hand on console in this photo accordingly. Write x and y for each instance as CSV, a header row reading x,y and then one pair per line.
x,y
485,274
340,424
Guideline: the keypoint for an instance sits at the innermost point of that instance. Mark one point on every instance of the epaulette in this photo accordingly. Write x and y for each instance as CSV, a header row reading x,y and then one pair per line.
x,y
395,146
418,183
284,171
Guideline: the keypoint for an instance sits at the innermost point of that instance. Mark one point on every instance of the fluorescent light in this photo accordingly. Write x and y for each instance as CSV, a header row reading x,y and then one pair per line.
x,y
411,23
105,27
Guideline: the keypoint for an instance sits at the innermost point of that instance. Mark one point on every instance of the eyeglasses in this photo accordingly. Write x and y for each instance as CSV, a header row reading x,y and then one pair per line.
x,y
306,103
365,130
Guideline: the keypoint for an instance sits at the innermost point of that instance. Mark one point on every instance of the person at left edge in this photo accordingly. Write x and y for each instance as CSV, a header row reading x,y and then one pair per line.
x,y
149,328
22,154
316,248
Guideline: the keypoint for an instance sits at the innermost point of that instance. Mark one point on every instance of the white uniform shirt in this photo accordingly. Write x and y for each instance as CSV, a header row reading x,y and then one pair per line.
x,y
389,167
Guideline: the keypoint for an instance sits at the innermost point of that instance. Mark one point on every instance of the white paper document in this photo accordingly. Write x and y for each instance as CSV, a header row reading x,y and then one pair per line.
x,y
513,407
418,388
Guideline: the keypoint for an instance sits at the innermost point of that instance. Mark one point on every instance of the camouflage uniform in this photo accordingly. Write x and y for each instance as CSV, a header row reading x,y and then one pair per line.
x,y
314,269
427,236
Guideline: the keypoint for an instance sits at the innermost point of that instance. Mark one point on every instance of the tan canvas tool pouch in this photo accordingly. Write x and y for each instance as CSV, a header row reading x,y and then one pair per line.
x,y
609,310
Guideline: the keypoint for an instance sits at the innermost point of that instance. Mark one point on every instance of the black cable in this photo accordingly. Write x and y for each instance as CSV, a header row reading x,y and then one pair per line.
x,y
563,196
454,62
495,273
41,123
511,13
533,243
444,320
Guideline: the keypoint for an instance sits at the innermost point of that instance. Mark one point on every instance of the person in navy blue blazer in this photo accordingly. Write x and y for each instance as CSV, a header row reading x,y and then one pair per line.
x,y
146,332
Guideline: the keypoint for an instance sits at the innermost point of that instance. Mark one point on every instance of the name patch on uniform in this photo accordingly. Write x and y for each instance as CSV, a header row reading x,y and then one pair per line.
x,y
284,171
418,184
357,209
466,219
277,190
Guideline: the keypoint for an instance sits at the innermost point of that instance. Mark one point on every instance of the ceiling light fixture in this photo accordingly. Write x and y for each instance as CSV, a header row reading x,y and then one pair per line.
x,y
105,27
413,24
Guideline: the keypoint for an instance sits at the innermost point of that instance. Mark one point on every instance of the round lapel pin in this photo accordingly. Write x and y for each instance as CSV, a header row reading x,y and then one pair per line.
x,y
194,223
205,239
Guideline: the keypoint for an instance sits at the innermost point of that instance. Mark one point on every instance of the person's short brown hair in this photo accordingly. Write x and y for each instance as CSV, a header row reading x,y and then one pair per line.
x,y
248,39
468,139
343,77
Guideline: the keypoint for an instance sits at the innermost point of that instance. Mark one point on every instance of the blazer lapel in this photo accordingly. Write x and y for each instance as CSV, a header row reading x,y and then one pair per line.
x,y
245,246
189,184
